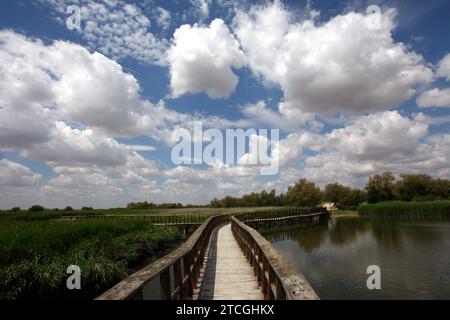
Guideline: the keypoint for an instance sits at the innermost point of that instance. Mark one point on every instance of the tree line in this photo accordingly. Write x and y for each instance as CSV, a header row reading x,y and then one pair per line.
x,y
151,205
302,194
39,208
410,187
379,188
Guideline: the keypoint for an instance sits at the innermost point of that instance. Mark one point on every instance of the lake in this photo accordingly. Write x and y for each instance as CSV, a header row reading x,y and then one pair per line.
x,y
414,257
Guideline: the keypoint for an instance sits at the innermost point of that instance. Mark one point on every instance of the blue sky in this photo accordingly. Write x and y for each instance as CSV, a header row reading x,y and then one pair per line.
x,y
87,114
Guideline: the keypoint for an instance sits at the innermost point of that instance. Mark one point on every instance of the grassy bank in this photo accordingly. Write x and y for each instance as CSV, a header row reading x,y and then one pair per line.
x,y
410,209
34,255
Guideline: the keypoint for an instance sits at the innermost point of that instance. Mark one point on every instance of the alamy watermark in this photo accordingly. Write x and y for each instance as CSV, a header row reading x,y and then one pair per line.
x,y
73,21
373,12
74,280
374,280
210,147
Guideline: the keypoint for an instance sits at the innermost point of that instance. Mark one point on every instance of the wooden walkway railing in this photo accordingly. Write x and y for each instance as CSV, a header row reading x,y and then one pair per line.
x,y
179,270
302,215
278,278
167,220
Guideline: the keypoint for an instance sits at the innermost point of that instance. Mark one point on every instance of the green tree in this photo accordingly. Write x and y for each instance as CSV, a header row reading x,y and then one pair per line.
x,y
229,202
215,203
336,193
254,199
414,187
304,194
441,189
354,198
141,205
36,208
380,187
387,190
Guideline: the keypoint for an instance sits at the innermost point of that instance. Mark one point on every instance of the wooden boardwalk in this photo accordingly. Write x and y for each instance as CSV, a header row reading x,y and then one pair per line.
x,y
223,262
226,274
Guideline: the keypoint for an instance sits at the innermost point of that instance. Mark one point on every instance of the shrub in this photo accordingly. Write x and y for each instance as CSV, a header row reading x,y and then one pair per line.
x,y
36,208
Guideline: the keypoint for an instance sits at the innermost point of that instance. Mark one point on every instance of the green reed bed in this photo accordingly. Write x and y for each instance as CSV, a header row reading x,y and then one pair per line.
x,y
25,215
34,255
436,209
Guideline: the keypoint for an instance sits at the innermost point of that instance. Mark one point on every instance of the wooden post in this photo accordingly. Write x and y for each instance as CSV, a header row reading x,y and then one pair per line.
x,y
195,264
280,291
189,290
271,281
165,285
255,259
259,267
178,279
265,282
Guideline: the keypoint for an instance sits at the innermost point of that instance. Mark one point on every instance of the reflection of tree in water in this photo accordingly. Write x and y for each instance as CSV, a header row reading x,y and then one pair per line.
x,y
345,230
308,236
342,231
424,231
391,232
388,234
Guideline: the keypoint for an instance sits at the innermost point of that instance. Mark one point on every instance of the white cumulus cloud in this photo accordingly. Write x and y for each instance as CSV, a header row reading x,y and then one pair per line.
x,y
444,67
202,58
375,143
13,174
438,97
342,65
434,98
62,80
201,8
380,136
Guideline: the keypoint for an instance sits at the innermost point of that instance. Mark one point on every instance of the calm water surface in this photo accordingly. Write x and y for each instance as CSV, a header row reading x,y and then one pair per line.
x,y
414,257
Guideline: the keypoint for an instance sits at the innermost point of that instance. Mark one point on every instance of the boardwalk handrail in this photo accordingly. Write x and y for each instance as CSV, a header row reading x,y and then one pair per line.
x,y
179,270
191,219
284,214
279,279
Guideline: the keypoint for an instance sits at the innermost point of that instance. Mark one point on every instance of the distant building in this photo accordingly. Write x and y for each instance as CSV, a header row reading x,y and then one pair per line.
x,y
330,206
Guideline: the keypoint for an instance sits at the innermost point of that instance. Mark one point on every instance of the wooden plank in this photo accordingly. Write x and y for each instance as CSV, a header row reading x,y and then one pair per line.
x,y
229,276
178,278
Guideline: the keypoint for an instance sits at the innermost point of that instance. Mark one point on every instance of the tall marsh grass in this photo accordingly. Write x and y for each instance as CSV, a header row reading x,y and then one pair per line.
x,y
436,209
34,255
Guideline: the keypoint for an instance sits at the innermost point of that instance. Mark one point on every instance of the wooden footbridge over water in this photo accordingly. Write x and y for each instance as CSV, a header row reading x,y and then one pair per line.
x,y
224,259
